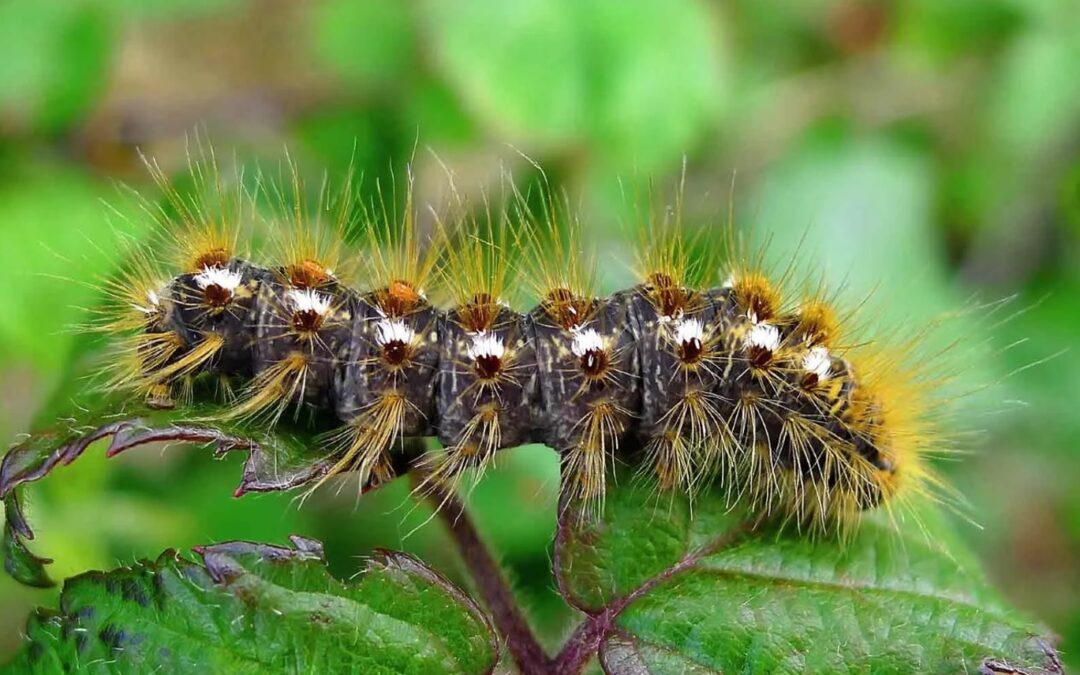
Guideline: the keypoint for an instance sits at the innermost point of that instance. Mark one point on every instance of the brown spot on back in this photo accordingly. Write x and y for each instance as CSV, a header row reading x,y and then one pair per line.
x,y
487,366
395,352
217,296
308,274
215,257
594,363
691,351
760,357
307,320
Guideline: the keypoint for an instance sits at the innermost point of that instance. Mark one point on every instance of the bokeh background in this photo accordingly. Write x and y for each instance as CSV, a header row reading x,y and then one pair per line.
x,y
928,148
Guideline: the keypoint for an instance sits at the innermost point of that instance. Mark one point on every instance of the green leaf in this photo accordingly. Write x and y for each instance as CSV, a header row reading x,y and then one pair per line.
x,y
19,562
366,41
637,82
667,592
79,416
54,59
255,608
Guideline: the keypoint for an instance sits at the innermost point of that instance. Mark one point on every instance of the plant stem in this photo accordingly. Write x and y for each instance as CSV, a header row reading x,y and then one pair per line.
x,y
491,584
585,642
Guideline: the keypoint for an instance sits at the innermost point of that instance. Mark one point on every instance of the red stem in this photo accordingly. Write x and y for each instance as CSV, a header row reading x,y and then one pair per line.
x,y
492,586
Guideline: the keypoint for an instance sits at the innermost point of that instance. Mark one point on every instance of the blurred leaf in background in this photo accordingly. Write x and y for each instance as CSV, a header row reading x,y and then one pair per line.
x,y
929,150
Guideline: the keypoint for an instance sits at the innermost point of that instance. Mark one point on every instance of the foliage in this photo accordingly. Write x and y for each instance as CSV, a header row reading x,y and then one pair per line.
x,y
251,607
664,585
926,149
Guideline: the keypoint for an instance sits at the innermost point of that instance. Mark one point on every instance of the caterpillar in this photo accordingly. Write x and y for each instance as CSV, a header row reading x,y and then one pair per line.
x,y
737,382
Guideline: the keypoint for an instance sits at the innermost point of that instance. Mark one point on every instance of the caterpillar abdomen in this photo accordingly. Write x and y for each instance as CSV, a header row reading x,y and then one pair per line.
x,y
733,384
710,388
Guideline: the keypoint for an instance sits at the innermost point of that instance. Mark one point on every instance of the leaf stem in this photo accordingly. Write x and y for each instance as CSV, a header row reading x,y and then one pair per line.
x,y
491,584
585,641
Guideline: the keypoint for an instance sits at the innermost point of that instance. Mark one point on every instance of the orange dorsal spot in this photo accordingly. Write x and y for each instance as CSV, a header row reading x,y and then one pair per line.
x,y
217,296
308,274
213,257
755,295
566,308
479,313
398,298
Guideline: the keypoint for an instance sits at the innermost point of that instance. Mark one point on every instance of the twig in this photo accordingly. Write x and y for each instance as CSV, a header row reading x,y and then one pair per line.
x,y
491,584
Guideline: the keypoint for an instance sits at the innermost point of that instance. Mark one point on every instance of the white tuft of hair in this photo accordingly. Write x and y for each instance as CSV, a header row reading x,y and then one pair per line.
x,y
586,341
393,330
817,361
763,335
309,300
688,330
222,277
486,344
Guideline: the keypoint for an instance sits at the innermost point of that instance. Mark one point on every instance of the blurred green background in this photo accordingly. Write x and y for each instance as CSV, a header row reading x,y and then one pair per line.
x,y
929,148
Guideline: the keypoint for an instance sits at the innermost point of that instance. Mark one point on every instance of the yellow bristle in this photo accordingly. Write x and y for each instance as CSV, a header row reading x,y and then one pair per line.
x,y
133,356
671,457
818,324
365,444
188,363
403,260
587,463
673,261
307,234
133,295
476,274
562,275
203,227
756,296
480,440
269,394
692,432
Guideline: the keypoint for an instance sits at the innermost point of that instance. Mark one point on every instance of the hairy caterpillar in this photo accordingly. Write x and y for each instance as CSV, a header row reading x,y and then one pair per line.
x,y
741,384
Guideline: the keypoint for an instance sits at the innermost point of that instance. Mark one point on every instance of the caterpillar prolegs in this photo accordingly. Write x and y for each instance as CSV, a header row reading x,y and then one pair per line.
x,y
734,386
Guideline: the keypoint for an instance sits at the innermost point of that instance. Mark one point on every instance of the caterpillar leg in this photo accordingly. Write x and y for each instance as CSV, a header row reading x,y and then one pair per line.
x,y
365,444
586,464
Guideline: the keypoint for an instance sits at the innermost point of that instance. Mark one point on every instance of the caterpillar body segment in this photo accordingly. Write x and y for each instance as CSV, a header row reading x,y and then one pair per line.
x,y
709,393
487,387
733,385
679,344
589,396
